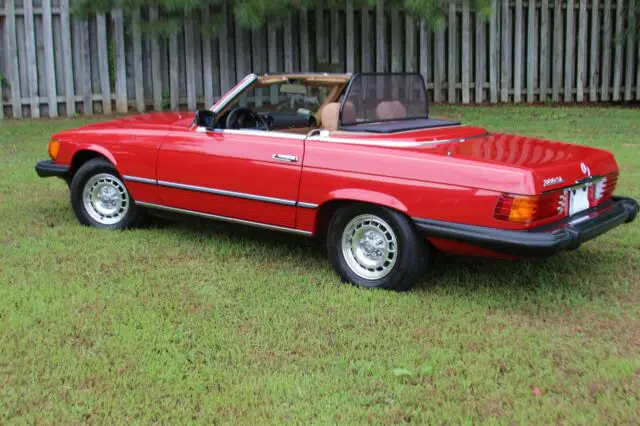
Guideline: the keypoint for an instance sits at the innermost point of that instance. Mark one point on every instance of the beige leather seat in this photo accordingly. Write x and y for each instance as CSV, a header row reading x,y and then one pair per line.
x,y
330,115
391,110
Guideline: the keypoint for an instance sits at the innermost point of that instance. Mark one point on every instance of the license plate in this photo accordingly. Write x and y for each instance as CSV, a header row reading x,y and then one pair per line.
x,y
579,200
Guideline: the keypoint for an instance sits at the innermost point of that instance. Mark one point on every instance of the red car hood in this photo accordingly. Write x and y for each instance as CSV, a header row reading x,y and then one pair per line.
x,y
156,121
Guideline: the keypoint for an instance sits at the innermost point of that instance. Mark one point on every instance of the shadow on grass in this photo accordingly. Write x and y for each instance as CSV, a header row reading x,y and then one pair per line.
x,y
582,274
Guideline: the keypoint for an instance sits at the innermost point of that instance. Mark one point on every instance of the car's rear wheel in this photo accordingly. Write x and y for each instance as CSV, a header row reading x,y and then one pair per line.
x,y
375,247
100,199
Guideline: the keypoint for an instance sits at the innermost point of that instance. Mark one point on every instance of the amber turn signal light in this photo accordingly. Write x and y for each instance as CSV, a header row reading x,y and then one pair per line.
x,y
54,148
526,209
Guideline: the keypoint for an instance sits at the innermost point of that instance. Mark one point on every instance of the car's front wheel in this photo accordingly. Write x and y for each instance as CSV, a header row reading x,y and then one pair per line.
x,y
100,199
375,247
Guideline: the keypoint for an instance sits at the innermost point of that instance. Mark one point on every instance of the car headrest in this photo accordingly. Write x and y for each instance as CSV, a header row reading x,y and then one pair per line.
x,y
391,110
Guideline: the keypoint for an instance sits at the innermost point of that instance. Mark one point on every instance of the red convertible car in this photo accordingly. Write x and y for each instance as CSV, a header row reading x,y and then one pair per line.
x,y
353,159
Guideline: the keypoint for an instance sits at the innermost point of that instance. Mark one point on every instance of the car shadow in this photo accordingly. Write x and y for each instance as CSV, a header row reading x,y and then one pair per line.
x,y
581,273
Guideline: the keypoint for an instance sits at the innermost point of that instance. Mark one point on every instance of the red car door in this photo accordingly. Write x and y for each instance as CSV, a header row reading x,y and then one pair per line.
x,y
239,174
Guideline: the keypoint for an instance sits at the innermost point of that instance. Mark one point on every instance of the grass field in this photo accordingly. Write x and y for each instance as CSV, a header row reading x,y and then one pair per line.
x,y
203,322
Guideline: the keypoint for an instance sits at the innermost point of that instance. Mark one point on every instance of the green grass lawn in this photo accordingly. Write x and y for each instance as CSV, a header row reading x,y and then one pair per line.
x,y
207,322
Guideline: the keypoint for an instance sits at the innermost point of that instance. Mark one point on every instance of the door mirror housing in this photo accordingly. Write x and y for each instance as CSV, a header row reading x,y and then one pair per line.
x,y
205,118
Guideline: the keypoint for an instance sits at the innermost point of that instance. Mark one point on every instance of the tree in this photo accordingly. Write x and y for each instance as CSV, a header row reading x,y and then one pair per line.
x,y
254,13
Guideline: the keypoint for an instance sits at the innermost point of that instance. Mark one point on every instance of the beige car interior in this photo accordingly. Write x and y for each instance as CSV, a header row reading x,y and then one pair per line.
x,y
328,114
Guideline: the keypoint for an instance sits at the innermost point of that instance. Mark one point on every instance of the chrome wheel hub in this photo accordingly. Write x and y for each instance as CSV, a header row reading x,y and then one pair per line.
x,y
369,246
105,199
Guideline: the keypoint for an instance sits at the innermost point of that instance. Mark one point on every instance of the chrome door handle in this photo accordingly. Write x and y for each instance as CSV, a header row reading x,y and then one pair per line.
x,y
285,157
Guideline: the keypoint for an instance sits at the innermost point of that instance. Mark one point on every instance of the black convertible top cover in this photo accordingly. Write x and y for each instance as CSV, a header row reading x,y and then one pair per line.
x,y
399,126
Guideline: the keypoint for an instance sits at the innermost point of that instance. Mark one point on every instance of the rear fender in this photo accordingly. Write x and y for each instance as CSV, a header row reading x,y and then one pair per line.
x,y
367,196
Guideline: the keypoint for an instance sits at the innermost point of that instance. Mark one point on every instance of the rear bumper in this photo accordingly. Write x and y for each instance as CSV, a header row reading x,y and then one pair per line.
x,y
48,168
545,241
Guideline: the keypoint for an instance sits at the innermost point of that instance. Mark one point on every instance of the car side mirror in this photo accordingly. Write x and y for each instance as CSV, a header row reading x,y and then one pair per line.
x,y
205,118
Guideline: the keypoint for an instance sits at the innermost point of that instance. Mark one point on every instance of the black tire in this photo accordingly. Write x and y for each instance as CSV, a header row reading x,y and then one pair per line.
x,y
126,213
411,255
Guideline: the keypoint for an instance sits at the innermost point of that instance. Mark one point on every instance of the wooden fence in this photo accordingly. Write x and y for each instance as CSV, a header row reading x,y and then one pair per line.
x,y
527,51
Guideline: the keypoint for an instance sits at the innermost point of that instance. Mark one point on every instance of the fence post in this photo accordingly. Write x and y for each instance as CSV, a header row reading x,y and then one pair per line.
x,y
557,51
381,49
67,58
544,50
569,57
593,53
480,57
452,54
466,57
606,52
630,44
349,39
121,66
32,67
517,60
582,48
532,53
13,71
136,36
50,69
494,52
304,41
617,63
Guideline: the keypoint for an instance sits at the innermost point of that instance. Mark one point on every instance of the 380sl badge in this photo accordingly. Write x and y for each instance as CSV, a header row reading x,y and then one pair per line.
x,y
552,181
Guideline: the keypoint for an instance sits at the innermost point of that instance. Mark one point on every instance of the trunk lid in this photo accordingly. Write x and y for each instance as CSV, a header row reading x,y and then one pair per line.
x,y
553,165
549,165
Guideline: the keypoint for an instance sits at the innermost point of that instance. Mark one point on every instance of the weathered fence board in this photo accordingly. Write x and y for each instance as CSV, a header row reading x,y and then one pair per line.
x,y
32,66
532,38
466,42
630,53
558,58
381,49
582,49
569,64
121,66
494,50
452,54
606,52
517,68
617,64
480,51
526,50
594,51
50,68
67,58
13,75
544,50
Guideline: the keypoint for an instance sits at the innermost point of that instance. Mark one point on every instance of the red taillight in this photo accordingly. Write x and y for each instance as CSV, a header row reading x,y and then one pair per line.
x,y
526,209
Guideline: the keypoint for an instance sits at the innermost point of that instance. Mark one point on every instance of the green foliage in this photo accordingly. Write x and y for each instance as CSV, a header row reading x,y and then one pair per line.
x,y
255,13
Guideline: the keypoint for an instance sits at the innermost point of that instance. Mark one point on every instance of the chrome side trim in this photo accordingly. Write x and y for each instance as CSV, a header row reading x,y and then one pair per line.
x,y
224,218
307,205
391,144
262,133
139,179
282,201
227,193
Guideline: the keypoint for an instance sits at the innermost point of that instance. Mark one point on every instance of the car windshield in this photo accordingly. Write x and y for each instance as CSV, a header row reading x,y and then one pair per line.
x,y
384,97
286,98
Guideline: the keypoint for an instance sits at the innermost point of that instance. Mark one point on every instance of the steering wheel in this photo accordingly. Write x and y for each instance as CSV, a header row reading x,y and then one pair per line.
x,y
244,118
